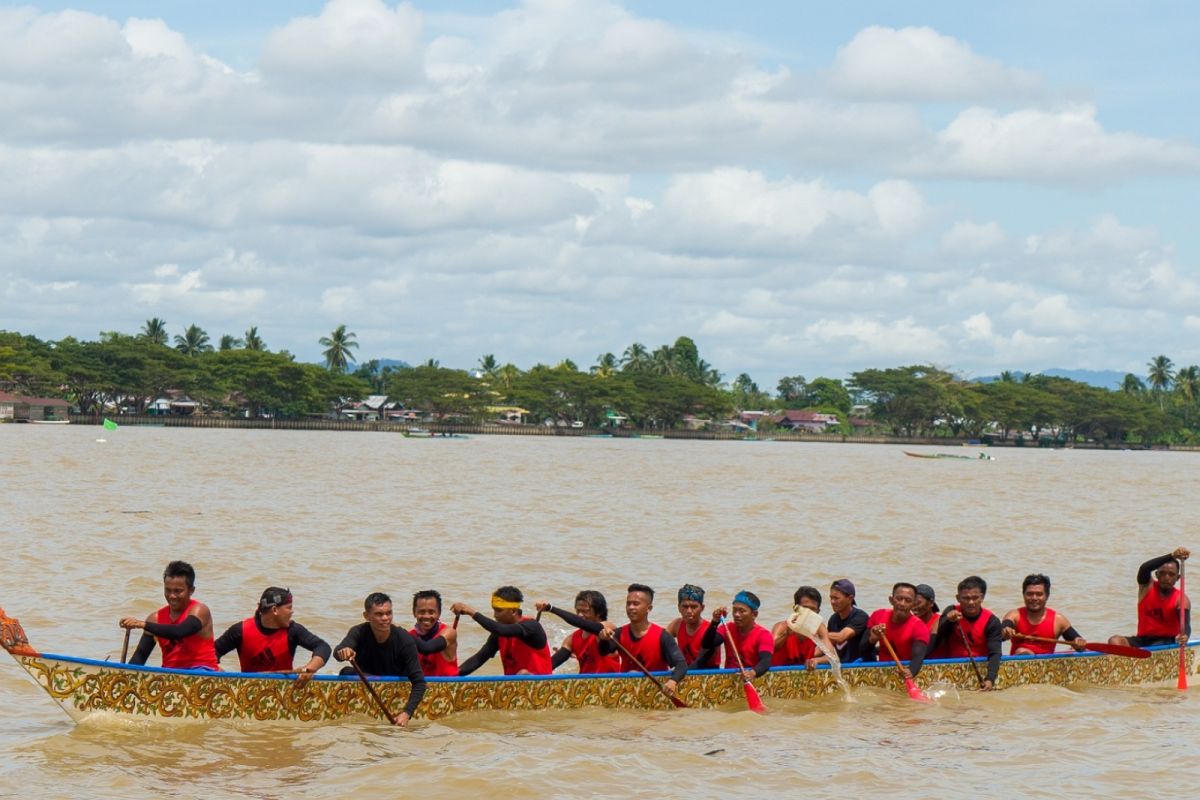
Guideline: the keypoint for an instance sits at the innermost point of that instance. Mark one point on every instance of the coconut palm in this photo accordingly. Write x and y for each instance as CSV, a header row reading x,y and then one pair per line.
x,y
636,358
230,342
337,348
606,365
1187,383
488,366
155,330
253,340
1161,373
662,361
193,342
1132,384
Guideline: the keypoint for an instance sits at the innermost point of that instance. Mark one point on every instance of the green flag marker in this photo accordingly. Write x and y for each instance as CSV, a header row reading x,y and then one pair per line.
x,y
109,425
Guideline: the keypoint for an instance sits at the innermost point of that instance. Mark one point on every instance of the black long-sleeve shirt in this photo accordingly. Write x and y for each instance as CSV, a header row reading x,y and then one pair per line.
x,y
190,625
668,647
713,638
298,636
529,631
993,634
877,652
396,655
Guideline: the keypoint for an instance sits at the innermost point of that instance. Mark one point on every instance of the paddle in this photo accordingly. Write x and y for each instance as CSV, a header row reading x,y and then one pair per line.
x,y
752,699
642,668
910,685
1183,683
455,625
125,646
970,657
373,693
1095,647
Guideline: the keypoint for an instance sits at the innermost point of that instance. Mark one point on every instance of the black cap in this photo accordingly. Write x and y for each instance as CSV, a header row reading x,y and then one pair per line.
x,y
274,596
926,591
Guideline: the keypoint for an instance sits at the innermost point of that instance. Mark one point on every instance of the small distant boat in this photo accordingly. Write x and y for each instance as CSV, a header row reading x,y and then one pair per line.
x,y
418,433
47,421
757,439
980,457
647,436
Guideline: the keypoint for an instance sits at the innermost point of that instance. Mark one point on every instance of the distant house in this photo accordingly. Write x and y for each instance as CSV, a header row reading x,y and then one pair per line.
x,y
175,403
18,408
811,421
509,415
376,407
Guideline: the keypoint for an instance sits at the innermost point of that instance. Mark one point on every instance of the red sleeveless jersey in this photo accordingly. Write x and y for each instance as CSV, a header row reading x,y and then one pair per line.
x,y
1045,629
1158,616
758,640
515,655
436,665
586,648
974,631
187,653
263,653
689,644
647,649
795,650
902,636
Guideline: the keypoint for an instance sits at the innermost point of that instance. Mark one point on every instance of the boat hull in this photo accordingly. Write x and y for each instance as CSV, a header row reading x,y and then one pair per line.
x,y
83,687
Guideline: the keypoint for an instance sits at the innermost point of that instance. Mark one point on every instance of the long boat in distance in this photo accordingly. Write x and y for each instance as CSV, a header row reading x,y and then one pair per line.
x,y
84,686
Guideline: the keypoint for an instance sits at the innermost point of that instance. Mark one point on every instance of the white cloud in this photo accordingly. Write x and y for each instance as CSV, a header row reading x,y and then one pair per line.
x,y
724,323
970,238
922,64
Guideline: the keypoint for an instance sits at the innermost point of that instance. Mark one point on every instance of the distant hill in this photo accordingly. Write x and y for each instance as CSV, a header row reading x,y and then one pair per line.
x,y
398,364
1103,378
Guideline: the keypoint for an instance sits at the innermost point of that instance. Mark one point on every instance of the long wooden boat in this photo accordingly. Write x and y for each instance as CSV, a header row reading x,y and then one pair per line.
x,y
84,686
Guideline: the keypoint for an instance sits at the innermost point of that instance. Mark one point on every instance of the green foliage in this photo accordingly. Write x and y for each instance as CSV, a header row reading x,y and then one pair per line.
x,y
439,391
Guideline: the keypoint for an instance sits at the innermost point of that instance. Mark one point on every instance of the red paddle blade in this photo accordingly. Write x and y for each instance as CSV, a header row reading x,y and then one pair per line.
x,y
915,692
1118,650
752,698
678,703
1182,685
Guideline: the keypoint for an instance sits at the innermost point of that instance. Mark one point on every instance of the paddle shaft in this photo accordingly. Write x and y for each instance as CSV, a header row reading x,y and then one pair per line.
x,y
910,685
752,698
970,657
1095,647
642,668
455,625
1183,681
372,692
125,646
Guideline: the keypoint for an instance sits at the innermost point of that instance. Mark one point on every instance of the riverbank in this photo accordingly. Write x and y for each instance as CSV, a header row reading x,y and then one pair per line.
x,y
494,429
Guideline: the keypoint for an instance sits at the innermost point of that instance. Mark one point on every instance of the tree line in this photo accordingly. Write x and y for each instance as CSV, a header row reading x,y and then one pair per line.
x,y
643,387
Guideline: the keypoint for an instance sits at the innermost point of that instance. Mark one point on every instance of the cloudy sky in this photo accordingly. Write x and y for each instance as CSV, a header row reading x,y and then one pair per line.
x,y
800,189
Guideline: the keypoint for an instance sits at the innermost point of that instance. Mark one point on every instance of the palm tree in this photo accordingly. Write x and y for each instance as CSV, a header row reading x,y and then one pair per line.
x,y
636,358
567,365
230,342
1160,375
606,365
1132,384
433,362
488,366
662,361
337,348
1007,377
193,342
1187,383
507,375
253,340
155,330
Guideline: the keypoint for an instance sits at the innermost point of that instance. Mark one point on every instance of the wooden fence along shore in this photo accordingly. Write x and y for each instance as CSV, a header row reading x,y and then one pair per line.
x,y
492,429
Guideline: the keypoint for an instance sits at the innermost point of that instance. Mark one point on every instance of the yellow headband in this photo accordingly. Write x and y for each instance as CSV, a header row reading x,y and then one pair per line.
x,y
500,602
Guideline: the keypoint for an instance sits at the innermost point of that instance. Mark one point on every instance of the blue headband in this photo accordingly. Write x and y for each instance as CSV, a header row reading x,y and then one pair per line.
x,y
745,599
691,592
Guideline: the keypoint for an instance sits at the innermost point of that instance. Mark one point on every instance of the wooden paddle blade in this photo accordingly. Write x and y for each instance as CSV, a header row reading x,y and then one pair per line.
x,y
1118,650
915,692
752,698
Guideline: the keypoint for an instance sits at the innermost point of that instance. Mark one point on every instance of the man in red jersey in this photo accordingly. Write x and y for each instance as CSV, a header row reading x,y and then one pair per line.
x,y
437,642
908,635
1158,604
793,649
520,640
970,630
1034,619
267,641
183,628
754,644
650,644
592,606
689,627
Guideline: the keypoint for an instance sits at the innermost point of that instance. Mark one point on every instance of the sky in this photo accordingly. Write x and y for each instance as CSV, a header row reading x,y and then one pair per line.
x,y
801,189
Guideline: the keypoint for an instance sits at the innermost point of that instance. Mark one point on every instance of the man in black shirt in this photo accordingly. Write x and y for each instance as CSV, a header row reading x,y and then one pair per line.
x,y
846,624
380,648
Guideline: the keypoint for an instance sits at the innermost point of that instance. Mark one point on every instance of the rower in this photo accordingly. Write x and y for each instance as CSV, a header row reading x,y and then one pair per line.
x,y
380,648
520,640
982,628
1035,619
689,627
267,641
846,624
183,628
754,644
1158,604
908,635
926,609
791,648
437,642
650,644
585,647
